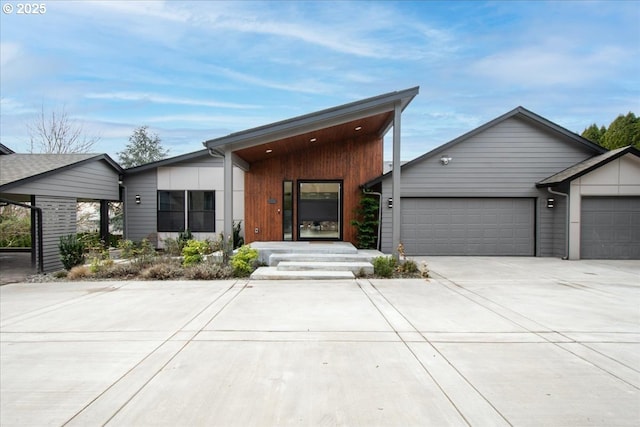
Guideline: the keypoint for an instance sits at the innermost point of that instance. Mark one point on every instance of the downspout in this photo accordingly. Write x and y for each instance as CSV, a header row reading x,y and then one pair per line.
x,y
566,234
364,191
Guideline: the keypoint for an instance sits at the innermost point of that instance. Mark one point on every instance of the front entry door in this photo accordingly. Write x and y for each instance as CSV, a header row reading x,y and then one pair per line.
x,y
319,210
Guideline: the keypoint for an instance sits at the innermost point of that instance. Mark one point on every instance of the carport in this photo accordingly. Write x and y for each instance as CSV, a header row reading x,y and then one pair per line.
x,y
54,183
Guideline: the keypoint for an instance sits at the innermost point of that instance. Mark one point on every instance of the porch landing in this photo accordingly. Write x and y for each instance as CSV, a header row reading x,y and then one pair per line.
x,y
312,260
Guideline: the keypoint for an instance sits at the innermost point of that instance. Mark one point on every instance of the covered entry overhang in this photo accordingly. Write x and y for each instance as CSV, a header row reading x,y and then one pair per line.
x,y
368,118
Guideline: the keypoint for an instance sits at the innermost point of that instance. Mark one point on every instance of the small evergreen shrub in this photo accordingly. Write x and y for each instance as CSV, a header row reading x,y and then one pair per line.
x,y
366,222
245,261
384,266
127,247
71,251
194,252
238,240
408,266
172,247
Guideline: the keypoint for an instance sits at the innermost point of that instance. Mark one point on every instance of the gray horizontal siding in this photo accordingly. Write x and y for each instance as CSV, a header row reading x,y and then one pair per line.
x,y
505,160
94,180
141,219
58,219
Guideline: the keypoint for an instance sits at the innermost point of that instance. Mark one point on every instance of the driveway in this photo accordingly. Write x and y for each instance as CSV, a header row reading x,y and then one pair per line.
x,y
486,341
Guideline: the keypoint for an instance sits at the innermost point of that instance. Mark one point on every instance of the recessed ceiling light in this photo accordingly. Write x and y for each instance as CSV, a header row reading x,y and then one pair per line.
x,y
313,140
269,150
358,127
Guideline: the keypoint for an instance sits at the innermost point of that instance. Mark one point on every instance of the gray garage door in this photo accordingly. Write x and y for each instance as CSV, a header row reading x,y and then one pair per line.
x,y
610,228
468,226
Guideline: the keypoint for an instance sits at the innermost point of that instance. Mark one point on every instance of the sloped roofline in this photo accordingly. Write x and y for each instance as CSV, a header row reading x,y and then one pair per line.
x,y
518,111
94,158
5,150
586,166
166,162
313,121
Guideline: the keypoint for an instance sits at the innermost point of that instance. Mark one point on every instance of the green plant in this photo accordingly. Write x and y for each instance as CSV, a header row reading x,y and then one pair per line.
x,y
172,247
384,266
183,238
162,271
408,266
366,222
144,253
244,261
71,251
238,240
194,252
15,227
127,247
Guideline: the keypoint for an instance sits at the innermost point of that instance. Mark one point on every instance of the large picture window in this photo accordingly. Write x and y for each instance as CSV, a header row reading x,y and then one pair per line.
x,y
198,215
170,210
202,211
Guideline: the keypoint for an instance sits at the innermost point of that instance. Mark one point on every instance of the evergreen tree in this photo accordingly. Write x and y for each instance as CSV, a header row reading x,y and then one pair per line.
x,y
595,133
623,131
142,148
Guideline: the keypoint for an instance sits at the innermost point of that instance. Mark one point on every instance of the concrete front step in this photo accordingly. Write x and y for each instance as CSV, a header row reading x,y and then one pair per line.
x,y
266,249
272,273
353,266
276,259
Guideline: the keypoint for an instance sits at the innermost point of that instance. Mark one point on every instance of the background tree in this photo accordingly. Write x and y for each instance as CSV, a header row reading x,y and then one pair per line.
x,y
142,148
58,133
623,131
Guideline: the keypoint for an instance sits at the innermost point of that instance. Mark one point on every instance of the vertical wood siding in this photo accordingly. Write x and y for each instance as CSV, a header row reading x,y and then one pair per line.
x,y
352,161
58,219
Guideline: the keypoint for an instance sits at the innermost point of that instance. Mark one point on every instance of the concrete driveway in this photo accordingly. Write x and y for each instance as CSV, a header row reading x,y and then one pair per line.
x,y
486,341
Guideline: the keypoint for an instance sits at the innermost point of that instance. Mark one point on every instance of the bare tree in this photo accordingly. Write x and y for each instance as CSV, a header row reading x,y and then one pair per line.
x,y
57,133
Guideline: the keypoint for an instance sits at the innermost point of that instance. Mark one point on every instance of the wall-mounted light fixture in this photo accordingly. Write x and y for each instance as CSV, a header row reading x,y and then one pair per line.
x,y
137,199
551,203
390,202
445,159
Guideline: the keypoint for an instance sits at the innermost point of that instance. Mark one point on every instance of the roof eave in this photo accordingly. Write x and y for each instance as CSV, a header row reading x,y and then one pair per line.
x,y
314,121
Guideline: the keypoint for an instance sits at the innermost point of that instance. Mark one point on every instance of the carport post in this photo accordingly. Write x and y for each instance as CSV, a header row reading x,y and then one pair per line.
x,y
395,181
228,197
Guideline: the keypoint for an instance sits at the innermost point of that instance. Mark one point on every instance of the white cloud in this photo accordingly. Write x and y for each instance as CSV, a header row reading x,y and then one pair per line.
x,y
161,99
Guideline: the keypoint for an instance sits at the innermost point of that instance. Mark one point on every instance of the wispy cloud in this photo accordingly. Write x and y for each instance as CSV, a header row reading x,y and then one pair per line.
x,y
161,99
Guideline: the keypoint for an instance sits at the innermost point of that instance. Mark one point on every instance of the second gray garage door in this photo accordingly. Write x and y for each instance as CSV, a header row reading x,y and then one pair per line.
x,y
610,228
468,226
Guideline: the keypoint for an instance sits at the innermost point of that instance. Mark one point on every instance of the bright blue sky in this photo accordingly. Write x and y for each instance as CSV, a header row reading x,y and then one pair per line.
x,y
195,70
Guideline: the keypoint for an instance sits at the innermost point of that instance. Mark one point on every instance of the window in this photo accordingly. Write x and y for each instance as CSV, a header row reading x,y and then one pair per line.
x,y
200,215
170,210
202,211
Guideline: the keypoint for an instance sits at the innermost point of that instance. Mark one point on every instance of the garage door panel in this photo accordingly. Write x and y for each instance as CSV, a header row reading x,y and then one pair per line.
x,y
469,226
610,228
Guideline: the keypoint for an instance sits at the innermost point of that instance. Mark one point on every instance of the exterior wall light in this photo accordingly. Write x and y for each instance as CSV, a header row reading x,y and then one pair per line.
x,y
551,203
138,199
445,160
390,202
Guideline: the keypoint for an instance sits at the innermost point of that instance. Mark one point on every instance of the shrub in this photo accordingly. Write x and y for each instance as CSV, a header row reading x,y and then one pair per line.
x,y
244,261
208,271
408,266
162,271
127,247
78,272
15,227
384,266
194,252
172,247
183,238
119,271
238,240
71,251
366,222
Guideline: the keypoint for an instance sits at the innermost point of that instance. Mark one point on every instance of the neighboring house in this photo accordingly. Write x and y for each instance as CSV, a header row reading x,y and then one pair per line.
x,y
502,188
167,197
55,183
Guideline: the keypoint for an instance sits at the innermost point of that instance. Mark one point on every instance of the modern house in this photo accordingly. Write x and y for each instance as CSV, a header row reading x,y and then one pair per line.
x,y
519,185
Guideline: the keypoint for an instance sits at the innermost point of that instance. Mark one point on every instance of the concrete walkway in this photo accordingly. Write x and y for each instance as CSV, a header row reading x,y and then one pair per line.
x,y
487,341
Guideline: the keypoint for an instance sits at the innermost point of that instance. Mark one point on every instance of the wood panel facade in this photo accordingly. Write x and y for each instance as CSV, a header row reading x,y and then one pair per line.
x,y
353,161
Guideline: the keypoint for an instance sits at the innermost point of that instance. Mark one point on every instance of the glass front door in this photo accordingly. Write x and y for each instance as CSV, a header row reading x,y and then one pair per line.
x,y
319,210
